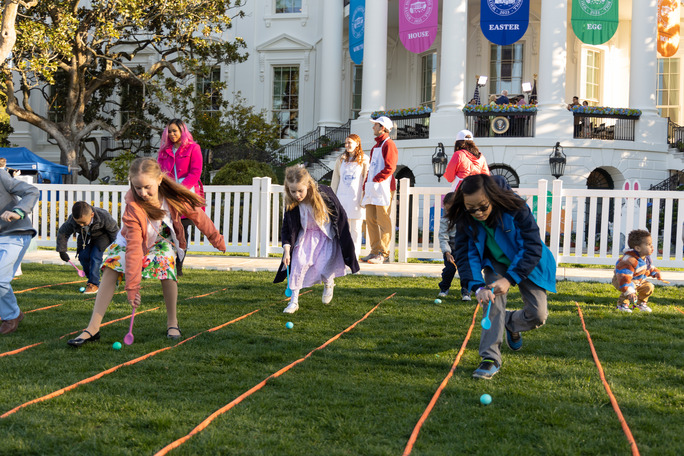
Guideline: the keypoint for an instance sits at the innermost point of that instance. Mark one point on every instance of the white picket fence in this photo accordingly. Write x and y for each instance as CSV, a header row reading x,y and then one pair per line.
x,y
250,217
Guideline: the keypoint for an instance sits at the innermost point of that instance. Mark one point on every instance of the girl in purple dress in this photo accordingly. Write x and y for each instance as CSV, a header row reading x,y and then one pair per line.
x,y
315,235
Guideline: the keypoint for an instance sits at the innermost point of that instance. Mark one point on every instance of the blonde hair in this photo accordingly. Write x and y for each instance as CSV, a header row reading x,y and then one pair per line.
x,y
358,152
299,175
176,195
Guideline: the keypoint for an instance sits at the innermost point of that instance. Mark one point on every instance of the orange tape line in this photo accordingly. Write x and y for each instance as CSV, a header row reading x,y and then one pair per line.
x,y
19,350
207,294
613,401
203,425
48,286
127,317
43,308
59,392
679,310
433,401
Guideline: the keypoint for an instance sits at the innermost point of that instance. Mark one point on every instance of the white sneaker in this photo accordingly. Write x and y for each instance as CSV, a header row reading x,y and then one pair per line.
x,y
327,293
624,308
443,294
642,306
465,297
291,308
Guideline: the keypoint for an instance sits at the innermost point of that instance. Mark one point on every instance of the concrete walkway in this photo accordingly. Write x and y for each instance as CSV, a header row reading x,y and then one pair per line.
x,y
242,263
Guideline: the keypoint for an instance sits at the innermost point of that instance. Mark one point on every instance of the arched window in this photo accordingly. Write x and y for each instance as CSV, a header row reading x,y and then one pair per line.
x,y
600,179
499,169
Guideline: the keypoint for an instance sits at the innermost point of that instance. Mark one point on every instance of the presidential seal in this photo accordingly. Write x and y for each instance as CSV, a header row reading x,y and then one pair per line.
x,y
417,11
357,21
504,7
595,7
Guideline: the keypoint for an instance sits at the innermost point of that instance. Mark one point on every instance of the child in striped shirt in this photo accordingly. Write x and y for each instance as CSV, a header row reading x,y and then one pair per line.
x,y
632,272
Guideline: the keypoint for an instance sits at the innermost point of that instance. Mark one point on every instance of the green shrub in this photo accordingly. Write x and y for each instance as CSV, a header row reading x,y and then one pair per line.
x,y
241,172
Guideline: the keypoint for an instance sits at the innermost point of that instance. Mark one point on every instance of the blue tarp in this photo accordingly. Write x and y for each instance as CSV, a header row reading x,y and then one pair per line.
x,y
23,159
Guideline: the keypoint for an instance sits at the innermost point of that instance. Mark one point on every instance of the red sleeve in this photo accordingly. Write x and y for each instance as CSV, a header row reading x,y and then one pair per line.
x,y
390,156
454,168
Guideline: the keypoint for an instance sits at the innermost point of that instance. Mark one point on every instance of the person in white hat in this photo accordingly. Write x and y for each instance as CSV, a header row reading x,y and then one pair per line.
x,y
378,191
467,160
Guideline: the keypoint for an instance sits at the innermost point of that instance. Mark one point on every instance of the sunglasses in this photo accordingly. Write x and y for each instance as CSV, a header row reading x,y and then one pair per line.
x,y
482,208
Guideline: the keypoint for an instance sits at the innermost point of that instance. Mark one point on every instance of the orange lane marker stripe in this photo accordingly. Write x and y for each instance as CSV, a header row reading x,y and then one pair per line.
x,y
48,286
19,350
112,369
43,308
679,310
613,401
127,317
207,294
433,401
203,425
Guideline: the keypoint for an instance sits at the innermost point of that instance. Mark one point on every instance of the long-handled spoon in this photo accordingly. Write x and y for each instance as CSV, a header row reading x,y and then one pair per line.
x,y
486,322
288,290
80,273
128,340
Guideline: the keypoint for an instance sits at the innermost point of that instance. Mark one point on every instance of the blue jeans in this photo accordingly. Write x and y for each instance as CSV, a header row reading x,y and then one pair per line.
x,y
12,250
448,274
91,260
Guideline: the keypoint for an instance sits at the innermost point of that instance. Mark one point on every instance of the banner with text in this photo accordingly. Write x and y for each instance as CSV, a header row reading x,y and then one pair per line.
x,y
504,22
594,21
418,24
357,14
668,27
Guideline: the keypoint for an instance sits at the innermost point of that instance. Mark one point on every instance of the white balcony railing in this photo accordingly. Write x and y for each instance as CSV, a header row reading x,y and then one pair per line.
x,y
580,226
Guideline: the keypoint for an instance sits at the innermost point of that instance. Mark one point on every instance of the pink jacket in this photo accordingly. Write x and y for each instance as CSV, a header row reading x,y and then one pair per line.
x,y
188,164
134,229
464,164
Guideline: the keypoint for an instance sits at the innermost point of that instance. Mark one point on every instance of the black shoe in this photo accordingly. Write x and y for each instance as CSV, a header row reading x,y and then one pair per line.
x,y
78,341
173,336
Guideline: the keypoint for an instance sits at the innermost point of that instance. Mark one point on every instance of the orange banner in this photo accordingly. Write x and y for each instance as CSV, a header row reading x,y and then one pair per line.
x,y
668,27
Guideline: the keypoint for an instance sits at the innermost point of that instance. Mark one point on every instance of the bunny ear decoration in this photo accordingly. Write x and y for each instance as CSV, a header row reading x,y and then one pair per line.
x,y
626,185
635,185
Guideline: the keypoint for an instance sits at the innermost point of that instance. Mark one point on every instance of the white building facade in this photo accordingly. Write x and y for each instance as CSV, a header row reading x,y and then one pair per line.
x,y
299,69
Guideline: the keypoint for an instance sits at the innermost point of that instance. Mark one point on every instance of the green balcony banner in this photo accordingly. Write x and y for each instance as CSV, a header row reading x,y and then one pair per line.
x,y
595,21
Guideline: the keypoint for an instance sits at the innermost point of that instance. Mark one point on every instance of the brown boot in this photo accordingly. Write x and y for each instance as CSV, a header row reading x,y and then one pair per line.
x,y
9,326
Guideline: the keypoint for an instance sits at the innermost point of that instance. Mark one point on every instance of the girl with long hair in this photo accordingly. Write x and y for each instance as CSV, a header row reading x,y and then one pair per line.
x,y
315,235
497,246
146,247
348,177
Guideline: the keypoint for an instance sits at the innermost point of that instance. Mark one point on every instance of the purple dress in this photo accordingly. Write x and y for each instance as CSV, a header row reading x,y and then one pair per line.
x,y
316,256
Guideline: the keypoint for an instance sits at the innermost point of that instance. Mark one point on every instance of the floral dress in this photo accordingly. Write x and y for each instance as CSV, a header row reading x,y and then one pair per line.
x,y
159,263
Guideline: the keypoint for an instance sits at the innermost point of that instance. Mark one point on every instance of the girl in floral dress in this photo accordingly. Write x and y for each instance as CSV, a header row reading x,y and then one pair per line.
x,y
315,235
146,247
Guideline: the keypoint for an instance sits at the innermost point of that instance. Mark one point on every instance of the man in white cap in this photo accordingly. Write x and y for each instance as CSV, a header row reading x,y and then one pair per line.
x,y
378,191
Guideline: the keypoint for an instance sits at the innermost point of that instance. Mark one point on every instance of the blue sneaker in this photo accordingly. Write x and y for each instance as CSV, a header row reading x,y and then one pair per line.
x,y
486,369
514,340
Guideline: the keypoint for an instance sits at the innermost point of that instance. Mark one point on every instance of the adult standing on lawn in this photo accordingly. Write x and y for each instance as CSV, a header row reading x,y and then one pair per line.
x,y
17,199
497,235
181,158
379,191
467,160
348,177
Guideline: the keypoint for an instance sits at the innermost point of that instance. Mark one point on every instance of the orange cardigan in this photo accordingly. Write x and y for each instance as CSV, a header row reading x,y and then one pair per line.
x,y
134,229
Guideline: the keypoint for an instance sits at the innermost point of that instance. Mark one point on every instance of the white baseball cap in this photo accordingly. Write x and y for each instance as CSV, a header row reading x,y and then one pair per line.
x,y
384,121
463,135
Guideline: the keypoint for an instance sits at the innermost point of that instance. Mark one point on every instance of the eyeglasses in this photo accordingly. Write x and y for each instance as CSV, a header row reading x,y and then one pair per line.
x,y
482,208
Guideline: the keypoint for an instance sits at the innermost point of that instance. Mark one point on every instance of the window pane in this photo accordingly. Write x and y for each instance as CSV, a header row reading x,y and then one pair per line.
x,y
285,105
506,68
429,80
667,88
288,6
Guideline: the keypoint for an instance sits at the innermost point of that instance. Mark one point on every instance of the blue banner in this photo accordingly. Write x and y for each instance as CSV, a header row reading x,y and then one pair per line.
x,y
504,22
357,14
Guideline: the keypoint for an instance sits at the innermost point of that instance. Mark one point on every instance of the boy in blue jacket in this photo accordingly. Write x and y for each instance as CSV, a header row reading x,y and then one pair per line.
x,y
497,246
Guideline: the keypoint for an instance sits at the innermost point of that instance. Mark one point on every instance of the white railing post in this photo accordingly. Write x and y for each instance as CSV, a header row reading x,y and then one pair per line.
x,y
542,189
255,201
404,188
556,219
264,226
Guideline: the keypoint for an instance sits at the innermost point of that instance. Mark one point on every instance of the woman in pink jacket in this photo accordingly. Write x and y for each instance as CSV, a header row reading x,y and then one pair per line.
x,y
467,160
180,157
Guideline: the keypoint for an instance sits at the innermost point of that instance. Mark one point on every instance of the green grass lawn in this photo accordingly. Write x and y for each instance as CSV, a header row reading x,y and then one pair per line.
x,y
360,395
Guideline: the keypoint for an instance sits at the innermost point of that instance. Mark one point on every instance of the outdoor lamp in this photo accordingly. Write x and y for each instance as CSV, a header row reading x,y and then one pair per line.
x,y
439,161
557,161
482,80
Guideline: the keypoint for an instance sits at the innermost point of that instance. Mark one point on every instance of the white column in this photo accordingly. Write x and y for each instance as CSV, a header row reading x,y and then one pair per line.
x,y
448,116
374,82
650,128
331,58
553,118
374,58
